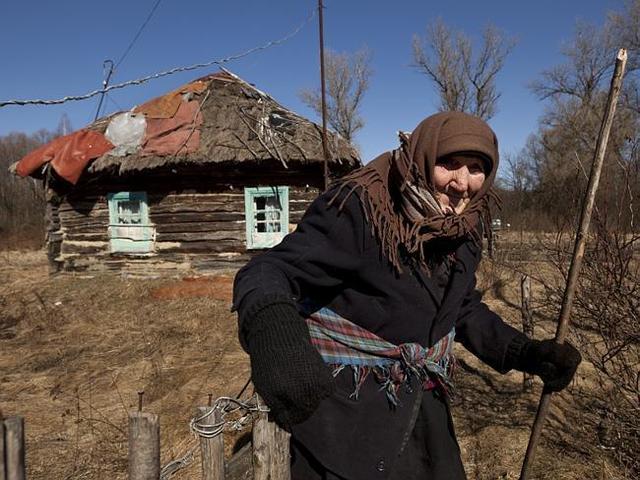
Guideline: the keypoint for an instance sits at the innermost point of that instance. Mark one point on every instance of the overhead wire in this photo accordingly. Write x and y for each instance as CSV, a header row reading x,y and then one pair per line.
x,y
113,66
154,76
137,35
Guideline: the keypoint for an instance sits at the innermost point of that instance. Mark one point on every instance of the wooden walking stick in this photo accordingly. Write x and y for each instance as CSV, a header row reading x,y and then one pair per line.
x,y
578,250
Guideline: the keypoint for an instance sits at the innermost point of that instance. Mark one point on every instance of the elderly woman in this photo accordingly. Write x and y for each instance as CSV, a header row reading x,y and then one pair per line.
x,y
350,321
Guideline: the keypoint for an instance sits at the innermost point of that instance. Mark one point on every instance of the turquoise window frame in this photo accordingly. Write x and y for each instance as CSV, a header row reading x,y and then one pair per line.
x,y
130,237
265,239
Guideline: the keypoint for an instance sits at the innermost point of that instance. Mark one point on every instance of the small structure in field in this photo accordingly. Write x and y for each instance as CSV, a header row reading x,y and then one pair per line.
x,y
195,180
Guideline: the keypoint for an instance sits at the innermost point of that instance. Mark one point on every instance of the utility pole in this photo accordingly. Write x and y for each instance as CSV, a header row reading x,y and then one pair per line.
x,y
105,84
324,101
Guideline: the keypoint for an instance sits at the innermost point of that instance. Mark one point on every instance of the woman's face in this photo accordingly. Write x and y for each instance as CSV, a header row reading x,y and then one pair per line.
x,y
457,177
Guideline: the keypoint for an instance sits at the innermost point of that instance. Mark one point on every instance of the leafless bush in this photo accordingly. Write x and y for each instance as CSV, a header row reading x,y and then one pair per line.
x,y
606,317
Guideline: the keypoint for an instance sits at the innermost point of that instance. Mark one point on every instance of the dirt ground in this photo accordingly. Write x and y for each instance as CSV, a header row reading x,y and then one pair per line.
x,y
74,352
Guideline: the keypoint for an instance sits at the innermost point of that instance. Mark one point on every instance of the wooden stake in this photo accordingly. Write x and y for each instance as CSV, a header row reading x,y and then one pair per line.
x,y
144,446
527,323
271,458
3,469
212,449
14,448
578,251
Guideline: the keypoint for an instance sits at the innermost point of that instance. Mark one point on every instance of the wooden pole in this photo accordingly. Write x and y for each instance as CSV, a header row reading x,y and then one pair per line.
x,y
527,323
271,458
578,251
144,446
211,449
325,150
3,469
14,448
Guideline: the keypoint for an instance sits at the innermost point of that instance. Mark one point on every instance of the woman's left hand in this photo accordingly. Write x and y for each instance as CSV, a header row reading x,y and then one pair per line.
x,y
555,363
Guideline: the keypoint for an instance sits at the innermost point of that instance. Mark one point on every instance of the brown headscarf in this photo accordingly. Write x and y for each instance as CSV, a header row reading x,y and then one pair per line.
x,y
397,191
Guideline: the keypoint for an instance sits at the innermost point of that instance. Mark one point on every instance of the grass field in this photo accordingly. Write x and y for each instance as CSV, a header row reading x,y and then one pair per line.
x,y
75,351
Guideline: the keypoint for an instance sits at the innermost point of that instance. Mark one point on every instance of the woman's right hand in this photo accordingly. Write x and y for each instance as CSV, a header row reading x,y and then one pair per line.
x,y
286,369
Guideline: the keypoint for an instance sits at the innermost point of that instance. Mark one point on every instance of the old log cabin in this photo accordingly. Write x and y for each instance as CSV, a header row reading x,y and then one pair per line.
x,y
193,181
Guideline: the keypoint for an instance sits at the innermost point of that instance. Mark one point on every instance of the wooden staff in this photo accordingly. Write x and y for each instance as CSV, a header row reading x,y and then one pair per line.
x,y
578,251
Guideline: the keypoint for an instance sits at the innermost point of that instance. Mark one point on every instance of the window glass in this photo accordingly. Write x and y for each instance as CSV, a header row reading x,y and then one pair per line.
x,y
129,228
266,215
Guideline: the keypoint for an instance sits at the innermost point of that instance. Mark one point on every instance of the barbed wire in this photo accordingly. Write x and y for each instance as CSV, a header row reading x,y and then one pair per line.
x,y
154,76
227,406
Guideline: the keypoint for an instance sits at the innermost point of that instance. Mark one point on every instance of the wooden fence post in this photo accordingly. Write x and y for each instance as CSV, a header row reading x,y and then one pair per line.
x,y
271,457
211,449
3,470
527,323
144,446
14,448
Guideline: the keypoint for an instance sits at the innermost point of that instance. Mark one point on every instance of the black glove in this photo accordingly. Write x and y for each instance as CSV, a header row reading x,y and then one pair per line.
x,y
286,369
554,363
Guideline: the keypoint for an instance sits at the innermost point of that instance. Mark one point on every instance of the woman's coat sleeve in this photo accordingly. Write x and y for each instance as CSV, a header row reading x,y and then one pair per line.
x,y
315,259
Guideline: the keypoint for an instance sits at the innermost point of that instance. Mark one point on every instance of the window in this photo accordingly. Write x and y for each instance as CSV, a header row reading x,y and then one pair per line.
x,y
267,215
129,228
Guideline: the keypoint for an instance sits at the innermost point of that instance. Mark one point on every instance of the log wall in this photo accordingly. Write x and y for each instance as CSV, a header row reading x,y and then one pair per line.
x,y
196,231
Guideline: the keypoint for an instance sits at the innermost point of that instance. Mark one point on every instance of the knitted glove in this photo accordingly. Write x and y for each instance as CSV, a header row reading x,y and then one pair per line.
x,y
286,369
554,363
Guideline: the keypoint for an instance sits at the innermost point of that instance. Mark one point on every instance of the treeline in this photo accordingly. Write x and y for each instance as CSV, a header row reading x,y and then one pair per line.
x,y
544,184
21,200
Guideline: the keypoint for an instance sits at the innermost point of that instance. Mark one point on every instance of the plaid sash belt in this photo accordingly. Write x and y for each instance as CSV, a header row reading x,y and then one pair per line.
x,y
342,344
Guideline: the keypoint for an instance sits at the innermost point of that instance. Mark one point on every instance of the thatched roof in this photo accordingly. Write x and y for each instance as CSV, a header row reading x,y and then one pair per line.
x,y
241,124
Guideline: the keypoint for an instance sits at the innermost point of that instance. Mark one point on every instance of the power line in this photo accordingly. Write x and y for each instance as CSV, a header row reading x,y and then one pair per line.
x,y
137,35
142,80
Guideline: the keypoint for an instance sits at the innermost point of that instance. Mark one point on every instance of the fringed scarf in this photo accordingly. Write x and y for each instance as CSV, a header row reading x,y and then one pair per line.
x,y
397,190
343,344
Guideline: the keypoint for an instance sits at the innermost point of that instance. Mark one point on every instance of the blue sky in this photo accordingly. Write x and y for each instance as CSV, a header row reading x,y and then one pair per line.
x,y
53,49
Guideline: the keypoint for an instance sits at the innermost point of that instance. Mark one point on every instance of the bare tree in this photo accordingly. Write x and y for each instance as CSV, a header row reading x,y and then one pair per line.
x,y
606,311
21,200
465,80
588,63
347,79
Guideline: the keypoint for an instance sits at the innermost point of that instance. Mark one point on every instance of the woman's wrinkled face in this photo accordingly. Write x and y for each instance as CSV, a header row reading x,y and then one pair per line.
x,y
456,178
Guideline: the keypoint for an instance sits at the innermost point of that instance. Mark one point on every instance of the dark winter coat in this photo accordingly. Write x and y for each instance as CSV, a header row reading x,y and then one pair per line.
x,y
333,259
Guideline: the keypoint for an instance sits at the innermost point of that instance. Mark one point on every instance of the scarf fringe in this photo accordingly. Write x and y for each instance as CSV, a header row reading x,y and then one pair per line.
x,y
396,374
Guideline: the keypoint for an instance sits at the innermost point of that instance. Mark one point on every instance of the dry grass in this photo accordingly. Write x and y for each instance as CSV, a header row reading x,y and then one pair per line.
x,y
74,351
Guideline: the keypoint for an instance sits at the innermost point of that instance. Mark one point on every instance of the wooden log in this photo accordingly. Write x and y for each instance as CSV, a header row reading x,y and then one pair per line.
x,y
181,198
188,217
232,207
75,236
14,448
527,323
199,227
233,235
211,449
271,457
144,446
